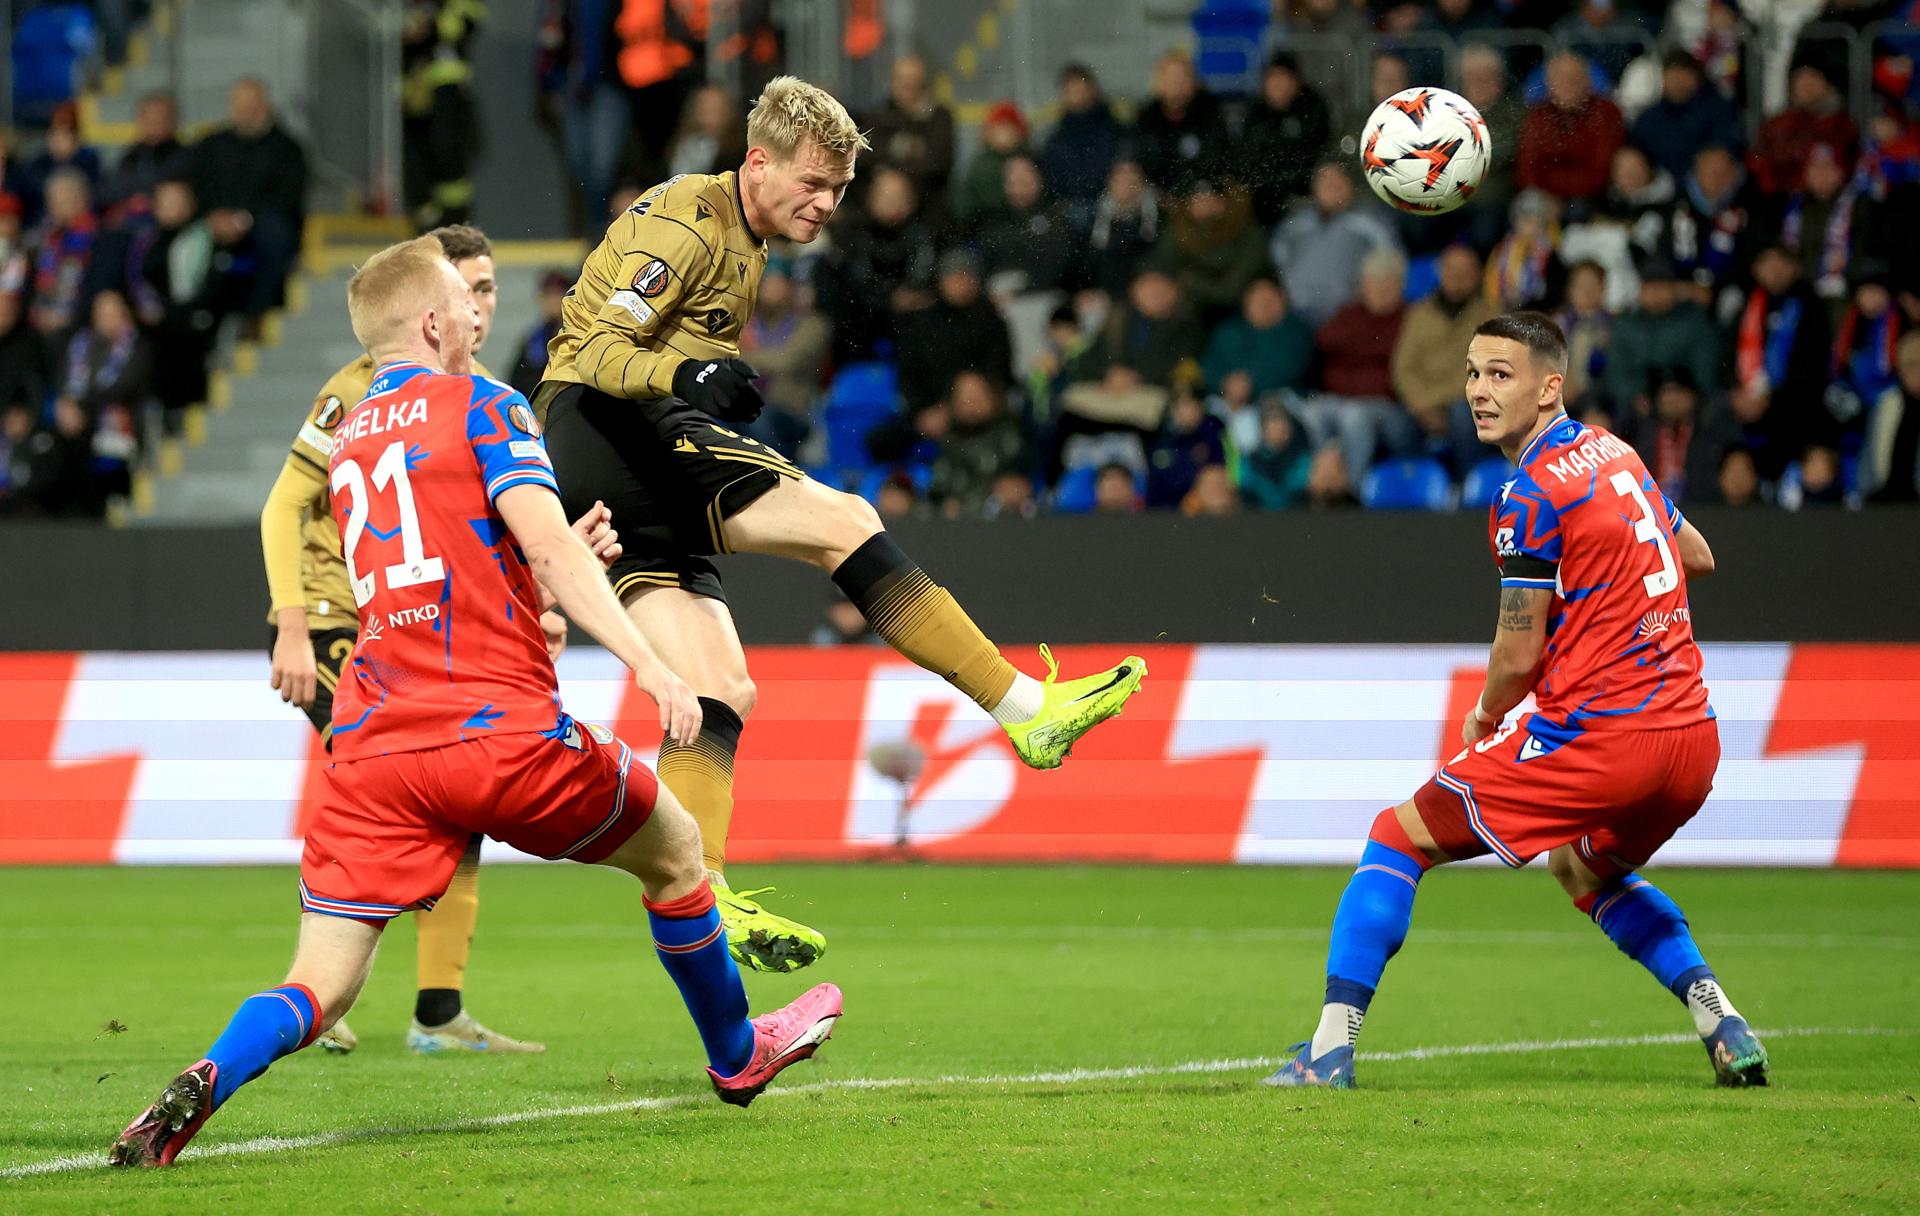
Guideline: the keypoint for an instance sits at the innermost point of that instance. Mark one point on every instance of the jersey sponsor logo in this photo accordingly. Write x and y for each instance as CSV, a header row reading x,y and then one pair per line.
x,y
527,449
641,310
1503,543
328,415
652,279
1658,621
521,415
717,321
413,616
316,439
641,208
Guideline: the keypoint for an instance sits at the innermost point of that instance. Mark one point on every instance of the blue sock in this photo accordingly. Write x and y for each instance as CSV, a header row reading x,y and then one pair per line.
x,y
693,948
1650,929
1372,921
268,1025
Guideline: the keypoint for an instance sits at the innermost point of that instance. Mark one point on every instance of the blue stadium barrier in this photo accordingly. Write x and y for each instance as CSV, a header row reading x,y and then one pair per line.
x,y
1407,485
1483,482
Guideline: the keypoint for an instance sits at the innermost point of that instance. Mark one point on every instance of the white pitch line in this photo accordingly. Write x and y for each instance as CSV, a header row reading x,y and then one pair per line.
x,y
1069,1076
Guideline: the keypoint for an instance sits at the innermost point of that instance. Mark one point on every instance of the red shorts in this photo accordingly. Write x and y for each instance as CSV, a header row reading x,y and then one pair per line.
x,y
391,829
1616,795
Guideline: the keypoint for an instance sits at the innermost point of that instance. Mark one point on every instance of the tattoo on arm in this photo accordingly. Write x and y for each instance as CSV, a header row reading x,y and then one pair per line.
x,y
1516,615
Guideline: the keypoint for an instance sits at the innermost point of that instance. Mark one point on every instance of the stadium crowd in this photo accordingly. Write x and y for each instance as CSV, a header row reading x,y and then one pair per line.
x,y
1186,302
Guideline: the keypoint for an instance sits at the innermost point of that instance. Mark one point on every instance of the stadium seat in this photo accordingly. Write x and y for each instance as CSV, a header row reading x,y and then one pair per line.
x,y
1407,485
861,397
1074,494
1228,35
1423,277
50,48
1483,482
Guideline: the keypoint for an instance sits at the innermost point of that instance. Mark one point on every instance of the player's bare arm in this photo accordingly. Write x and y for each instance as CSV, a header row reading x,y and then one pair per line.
x,y
295,673
1696,556
595,528
1513,663
568,569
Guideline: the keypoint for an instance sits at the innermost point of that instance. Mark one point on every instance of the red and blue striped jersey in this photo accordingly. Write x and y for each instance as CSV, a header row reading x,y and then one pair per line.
x,y
450,646
1582,517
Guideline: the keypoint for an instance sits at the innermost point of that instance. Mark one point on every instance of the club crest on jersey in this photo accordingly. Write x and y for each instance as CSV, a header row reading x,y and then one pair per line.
x,y
522,417
329,414
601,734
652,279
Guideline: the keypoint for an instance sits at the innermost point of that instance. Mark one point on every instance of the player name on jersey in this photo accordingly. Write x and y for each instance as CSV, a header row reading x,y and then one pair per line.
x,y
362,423
1583,460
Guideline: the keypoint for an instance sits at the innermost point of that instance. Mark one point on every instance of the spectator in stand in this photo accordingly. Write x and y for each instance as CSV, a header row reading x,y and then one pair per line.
x,y
1286,134
1356,408
1012,498
1126,227
1329,484
531,363
1338,35
1690,115
1390,74
1114,492
1181,133
1708,235
913,133
108,374
177,296
1588,324
63,273
1524,270
251,179
1214,249
898,499
1086,141
1568,141
1817,223
16,431
880,270
1267,345
1629,222
1739,481
1191,439
982,445
1667,330
1890,458
1213,494
1319,246
962,331
57,473
1428,375
157,154
982,188
23,359
787,344
1781,352
1681,443
1816,113
1866,339
62,151
713,134
843,624
1600,33
1027,241
1273,475
912,439
1121,383
1483,81
1457,20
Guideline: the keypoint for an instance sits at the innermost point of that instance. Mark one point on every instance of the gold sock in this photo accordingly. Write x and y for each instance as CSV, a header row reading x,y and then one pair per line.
x,y
921,619
700,775
446,933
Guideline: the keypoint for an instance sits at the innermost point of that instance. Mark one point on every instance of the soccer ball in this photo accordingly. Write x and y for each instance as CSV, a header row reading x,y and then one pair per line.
x,y
1425,150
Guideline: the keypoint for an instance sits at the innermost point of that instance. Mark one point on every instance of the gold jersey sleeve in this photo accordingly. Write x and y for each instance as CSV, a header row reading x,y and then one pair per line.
x,y
675,278
299,539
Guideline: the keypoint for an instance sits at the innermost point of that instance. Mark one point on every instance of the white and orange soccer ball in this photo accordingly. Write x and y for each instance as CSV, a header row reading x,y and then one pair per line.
x,y
1425,150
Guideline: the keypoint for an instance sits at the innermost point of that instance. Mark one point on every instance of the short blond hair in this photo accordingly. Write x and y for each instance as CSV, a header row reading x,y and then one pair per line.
x,y
789,111
393,287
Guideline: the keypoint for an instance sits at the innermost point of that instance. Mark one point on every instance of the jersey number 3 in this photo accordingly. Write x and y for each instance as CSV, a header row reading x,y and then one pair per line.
x,y
1646,529
414,566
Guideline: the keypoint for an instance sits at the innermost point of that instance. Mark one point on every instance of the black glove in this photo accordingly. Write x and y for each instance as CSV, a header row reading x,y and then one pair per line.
x,y
720,387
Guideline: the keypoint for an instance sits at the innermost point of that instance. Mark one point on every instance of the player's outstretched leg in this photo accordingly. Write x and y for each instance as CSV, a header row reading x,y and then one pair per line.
x,y
440,1019
331,963
1650,929
696,634
1368,928
743,1056
842,534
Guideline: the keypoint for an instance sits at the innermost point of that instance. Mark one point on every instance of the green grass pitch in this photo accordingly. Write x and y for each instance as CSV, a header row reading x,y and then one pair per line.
x,y
1051,1039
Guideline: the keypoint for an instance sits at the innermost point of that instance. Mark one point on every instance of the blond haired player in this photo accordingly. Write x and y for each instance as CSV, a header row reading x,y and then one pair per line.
x,y
643,386
314,623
